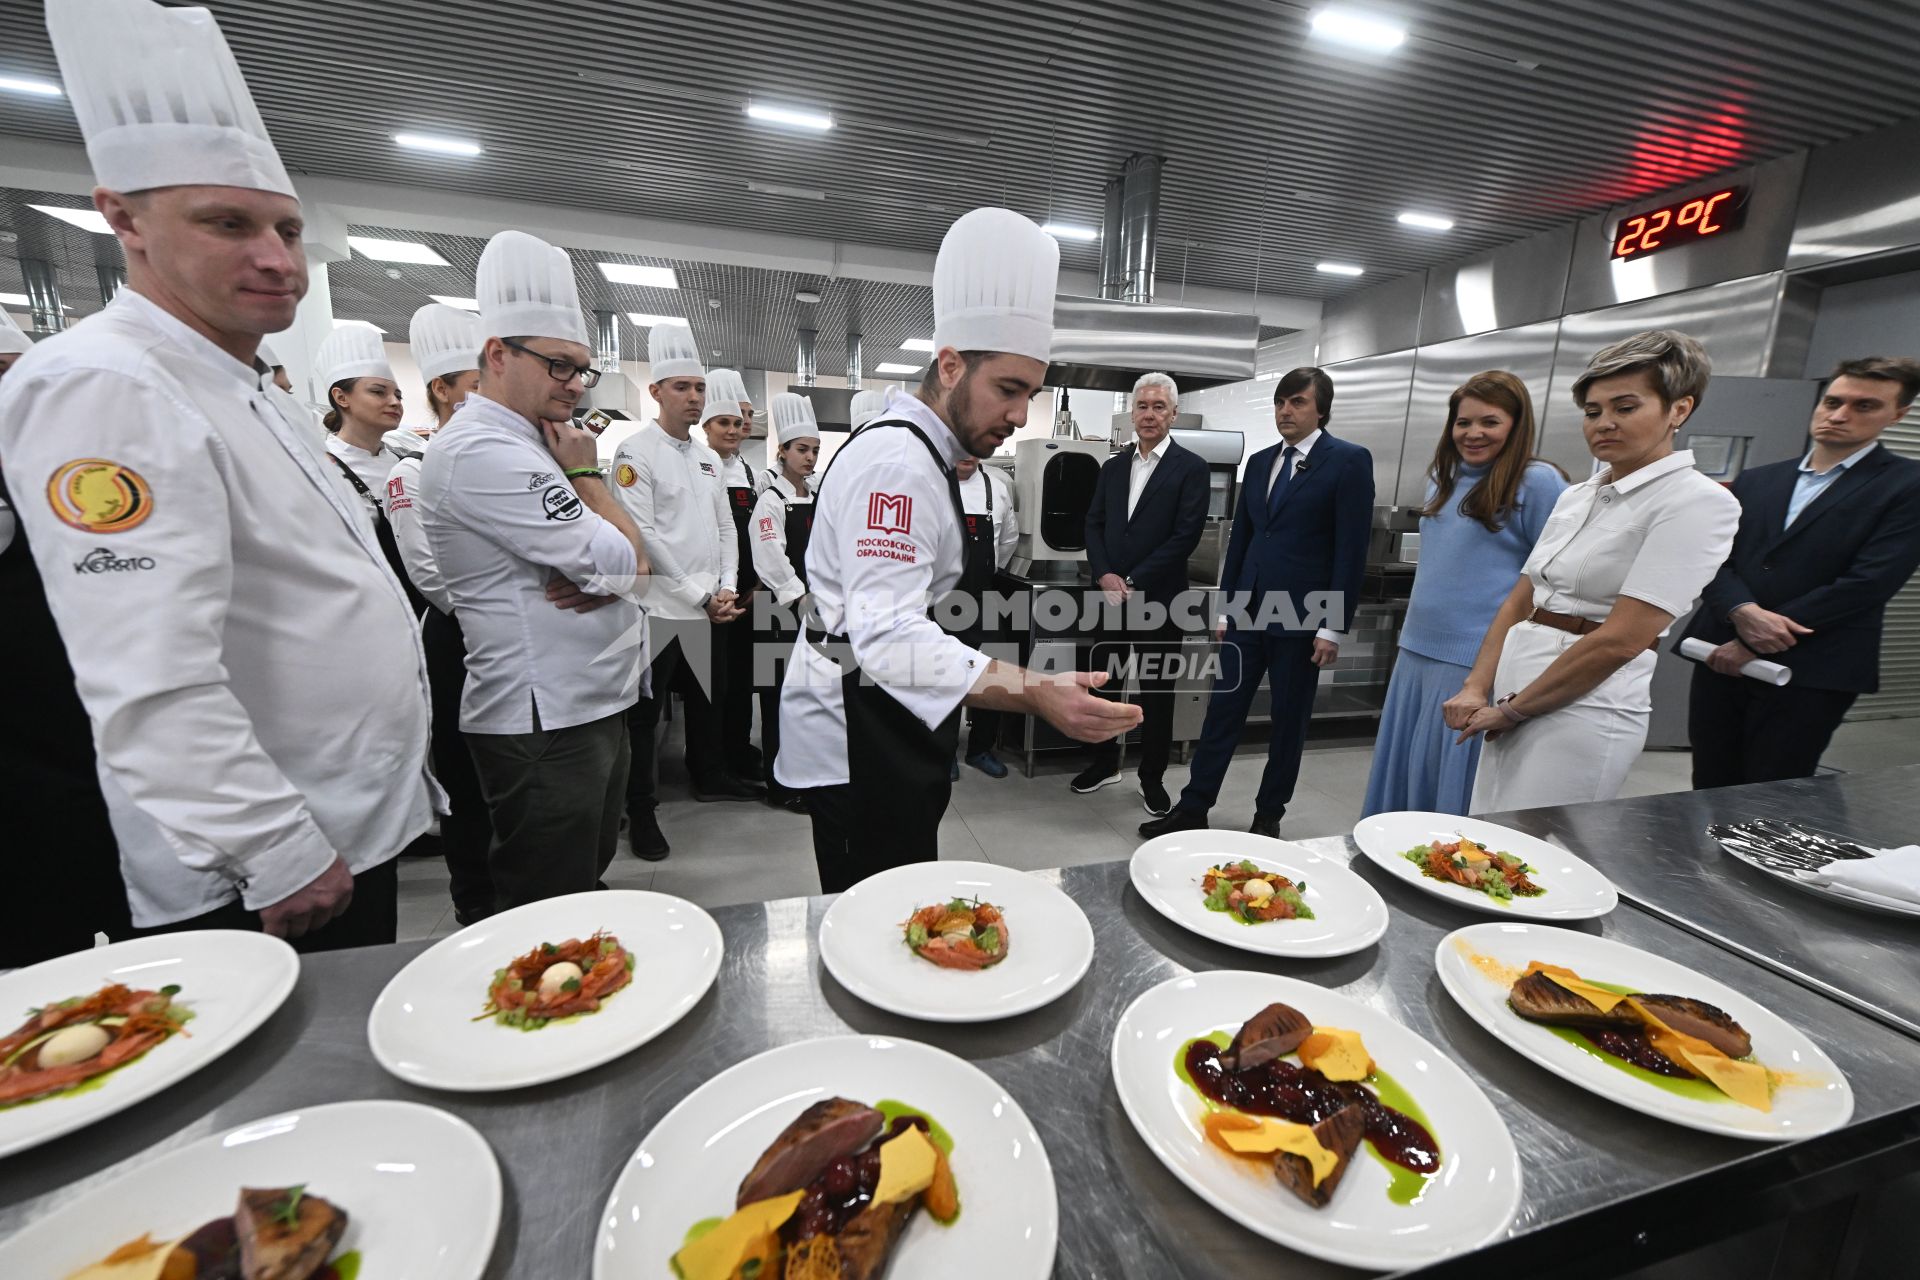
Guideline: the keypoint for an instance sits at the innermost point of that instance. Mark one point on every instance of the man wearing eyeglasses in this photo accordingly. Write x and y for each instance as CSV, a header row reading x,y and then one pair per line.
x,y
512,495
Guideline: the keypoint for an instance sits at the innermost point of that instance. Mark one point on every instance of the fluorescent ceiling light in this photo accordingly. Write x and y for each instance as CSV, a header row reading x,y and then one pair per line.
x,y
894,368
396,251
1340,269
38,88
85,219
1061,231
1360,30
798,117
646,277
641,320
15,300
783,189
918,344
464,304
341,324
438,146
1426,222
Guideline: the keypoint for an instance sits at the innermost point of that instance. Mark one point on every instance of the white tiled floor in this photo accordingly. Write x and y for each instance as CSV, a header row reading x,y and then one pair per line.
x,y
728,853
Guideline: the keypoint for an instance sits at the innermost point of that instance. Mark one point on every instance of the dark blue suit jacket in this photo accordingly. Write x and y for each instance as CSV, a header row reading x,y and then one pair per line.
x,y
1834,570
1316,540
1152,547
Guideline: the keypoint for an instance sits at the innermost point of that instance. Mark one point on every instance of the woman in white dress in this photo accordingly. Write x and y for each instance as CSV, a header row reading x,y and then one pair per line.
x,y
1560,688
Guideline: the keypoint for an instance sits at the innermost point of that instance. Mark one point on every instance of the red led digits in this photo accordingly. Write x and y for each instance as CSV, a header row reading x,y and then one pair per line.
x,y
1680,223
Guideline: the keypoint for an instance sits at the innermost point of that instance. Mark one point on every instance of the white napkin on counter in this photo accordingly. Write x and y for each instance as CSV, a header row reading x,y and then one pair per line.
x,y
1891,873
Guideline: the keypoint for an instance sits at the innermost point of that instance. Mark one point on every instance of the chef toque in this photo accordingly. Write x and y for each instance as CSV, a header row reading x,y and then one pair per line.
x,y
354,350
867,405
12,338
720,409
993,285
269,357
444,340
526,289
792,417
671,353
160,100
726,384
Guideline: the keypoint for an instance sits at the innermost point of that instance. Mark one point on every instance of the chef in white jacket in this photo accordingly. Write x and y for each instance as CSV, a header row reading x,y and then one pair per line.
x,y
866,406
511,493
724,422
356,382
670,482
870,708
249,664
782,521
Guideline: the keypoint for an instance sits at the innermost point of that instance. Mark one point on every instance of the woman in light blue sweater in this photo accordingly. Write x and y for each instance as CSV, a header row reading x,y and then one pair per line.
x,y
1471,551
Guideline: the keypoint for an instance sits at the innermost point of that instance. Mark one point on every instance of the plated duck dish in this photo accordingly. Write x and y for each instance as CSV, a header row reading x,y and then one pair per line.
x,y
558,980
1253,896
960,934
275,1233
1473,866
829,1198
62,1046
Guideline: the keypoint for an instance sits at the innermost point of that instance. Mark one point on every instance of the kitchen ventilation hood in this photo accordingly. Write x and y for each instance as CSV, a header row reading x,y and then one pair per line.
x,y
1103,344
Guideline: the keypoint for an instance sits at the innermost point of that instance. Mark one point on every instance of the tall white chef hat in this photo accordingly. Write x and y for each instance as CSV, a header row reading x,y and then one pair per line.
x,y
444,340
867,405
269,357
160,100
13,339
526,289
993,285
354,350
725,384
672,354
793,419
720,409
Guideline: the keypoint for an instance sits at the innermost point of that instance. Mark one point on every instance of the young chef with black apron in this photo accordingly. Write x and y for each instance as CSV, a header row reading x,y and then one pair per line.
x,y
726,420
870,706
782,523
363,405
991,534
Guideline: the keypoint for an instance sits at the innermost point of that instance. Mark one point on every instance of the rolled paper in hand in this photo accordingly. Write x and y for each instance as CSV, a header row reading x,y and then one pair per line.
x,y
1759,669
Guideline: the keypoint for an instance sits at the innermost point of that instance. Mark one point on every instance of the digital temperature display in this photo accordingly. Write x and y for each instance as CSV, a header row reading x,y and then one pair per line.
x,y
1684,222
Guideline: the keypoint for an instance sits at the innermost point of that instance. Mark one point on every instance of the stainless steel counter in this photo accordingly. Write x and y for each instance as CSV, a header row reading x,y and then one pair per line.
x,y
1603,1183
1657,852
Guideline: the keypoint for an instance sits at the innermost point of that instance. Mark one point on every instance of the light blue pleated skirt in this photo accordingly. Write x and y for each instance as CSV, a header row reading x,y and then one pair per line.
x,y
1415,763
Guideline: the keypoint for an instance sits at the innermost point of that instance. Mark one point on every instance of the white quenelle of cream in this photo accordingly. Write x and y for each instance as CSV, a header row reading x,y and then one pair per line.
x,y
557,976
73,1044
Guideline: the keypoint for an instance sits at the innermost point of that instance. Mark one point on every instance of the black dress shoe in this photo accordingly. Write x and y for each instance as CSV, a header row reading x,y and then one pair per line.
x,y
1178,820
1266,825
727,787
1154,797
749,770
644,835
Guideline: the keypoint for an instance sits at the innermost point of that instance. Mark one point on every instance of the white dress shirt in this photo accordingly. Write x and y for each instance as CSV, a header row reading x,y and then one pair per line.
x,y
402,492
249,663
886,541
1145,463
769,531
372,469
973,500
500,520
671,488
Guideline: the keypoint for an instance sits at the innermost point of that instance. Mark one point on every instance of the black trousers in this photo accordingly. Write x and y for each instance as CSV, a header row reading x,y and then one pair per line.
x,y
983,730
733,658
706,758
772,647
555,796
1111,649
372,919
1746,731
466,833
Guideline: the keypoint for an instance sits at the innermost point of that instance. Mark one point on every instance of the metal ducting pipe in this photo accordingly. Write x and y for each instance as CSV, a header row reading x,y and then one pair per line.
x,y
1113,257
112,281
806,364
854,362
43,295
606,340
1140,224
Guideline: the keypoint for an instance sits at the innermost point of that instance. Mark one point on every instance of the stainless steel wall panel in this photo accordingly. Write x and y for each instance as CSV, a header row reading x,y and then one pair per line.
x,y
1370,409
1438,369
1383,318
1862,197
1760,246
1514,285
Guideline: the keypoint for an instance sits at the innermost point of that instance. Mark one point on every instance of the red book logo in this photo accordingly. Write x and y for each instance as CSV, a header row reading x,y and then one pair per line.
x,y
890,512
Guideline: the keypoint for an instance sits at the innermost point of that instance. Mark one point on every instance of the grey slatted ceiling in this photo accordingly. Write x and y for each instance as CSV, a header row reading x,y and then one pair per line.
x,y
1508,115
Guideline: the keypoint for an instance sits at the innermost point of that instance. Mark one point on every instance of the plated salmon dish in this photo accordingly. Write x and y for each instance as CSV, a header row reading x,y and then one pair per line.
x,y
1252,895
558,980
1472,866
63,1045
959,934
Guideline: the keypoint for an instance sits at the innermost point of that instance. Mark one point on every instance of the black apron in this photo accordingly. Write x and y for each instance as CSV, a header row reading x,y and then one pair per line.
x,y
976,578
897,768
799,533
384,533
740,500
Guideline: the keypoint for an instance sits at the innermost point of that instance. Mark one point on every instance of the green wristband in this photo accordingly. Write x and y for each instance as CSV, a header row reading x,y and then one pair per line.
x,y
577,472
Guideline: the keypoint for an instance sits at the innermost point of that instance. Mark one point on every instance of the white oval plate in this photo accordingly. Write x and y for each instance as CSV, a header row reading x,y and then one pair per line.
x,y
233,980
690,1166
1470,1202
420,1188
1349,914
1574,890
1821,1099
422,1027
1049,942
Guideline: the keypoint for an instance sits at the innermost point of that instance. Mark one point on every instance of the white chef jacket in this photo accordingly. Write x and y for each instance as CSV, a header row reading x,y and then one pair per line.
x,y
248,661
736,474
672,489
500,520
886,541
402,493
973,500
371,468
770,540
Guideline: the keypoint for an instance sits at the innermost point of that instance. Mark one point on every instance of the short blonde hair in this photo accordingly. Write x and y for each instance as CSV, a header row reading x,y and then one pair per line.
x,y
1675,362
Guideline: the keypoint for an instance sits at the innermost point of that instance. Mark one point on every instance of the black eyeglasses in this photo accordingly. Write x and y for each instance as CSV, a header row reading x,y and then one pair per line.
x,y
560,370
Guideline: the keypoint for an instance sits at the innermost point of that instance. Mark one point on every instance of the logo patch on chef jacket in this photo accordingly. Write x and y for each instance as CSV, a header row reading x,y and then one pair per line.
x,y
102,560
561,503
95,495
624,475
708,468
539,479
397,499
766,524
890,512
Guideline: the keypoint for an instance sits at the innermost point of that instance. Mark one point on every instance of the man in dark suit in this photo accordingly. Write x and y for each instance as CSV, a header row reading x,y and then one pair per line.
x,y
1823,544
1148,511
1295,565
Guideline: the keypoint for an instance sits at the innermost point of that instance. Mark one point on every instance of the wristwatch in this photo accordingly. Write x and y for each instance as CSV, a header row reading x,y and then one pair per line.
x,y
1511,712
